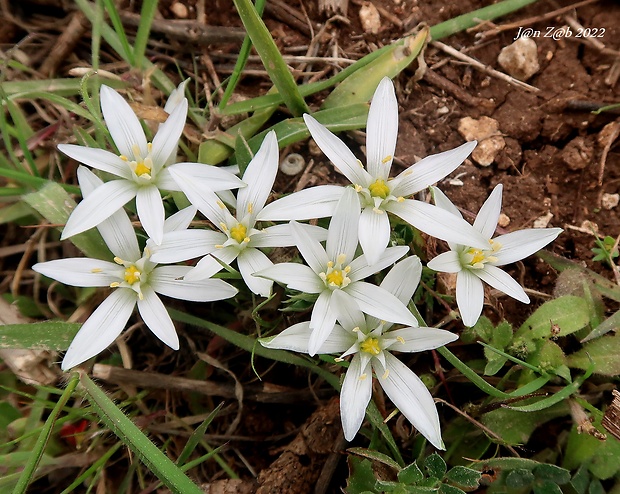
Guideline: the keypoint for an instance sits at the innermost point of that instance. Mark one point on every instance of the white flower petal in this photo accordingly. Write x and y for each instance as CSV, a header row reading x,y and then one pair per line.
x,y
150,208
503,282
165,181
294,338
347,312
382,130
403,279
342,235
355,396
176,97
322,321
101,204
281,235
117,231
314,202
486,220
338,153
420,339
448,262
430,170
251,261
201,196
166,141
166,280
97,158
361,270
180,220
102,327
380,303
438,223
294,276
411,397
259,175
204,269
157,319
182,245
442,201
374,233
469,296
523,243
212,177
310,249
81,271
122,123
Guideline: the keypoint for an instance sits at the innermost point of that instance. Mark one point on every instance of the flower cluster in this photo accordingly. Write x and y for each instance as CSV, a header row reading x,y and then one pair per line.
x,y
351,316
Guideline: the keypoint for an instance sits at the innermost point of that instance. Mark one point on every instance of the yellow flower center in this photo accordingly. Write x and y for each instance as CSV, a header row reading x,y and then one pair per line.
x,y
132,275
238,232
142,169
336,277
371,345
476,258
379,189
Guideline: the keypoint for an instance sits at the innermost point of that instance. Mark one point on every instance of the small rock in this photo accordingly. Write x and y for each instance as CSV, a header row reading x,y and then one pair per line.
x,y
292,164
314,149
520,59
610,201
543,221
503,220
370,18
179,10
486,131
578,153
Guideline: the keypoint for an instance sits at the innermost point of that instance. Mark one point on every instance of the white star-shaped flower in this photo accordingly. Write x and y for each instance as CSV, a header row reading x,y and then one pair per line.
x,y
135,278
335,269
474,265
371,342
379,194
141,167
239,238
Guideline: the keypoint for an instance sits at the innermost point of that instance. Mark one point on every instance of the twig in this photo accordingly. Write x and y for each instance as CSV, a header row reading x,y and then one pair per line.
x,y
449,87
612,135
484,68
65,43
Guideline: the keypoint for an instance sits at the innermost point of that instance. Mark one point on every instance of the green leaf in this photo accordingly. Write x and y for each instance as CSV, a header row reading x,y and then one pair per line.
x,y
603,352
361,476
48,335
569,313
612,323
519,478
552,473
546,487
360,86
463,477
549,357
435,466
272,59
55,205
411,474
450,489
502,335
128,432
495,362
601,457
375,456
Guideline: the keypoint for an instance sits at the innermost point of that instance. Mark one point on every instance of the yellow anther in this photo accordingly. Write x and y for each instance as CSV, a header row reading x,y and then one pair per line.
x,y
140,295
400,339
96,270
147,252
246,240
379,189
221,204
335,277
400,199
360,163
356,329
338,359
347,269
219,246
378,211
149,146
132,275
341,258
223,226
330,264
363,377
477,256
387,159
250,208
118,260
114,284
358,188
371,345
239,233
123,157
385,374
142,169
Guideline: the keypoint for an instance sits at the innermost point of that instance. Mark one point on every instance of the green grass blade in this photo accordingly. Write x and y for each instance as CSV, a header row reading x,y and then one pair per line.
x,y
147,14
93,469
165,470
34,458
242,59
125,49
196,437
272,59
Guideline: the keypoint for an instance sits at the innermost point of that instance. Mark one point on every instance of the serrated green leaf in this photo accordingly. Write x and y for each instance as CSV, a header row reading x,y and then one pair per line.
x,y
48,335
484,329
568,313
411,474
603,352
435,466
463,477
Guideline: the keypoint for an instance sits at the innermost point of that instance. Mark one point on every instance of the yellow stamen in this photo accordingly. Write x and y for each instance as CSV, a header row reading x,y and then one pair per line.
x,y
114,284
386,374
363,377
387,159
379,189
221,204
96,270
358,188
132,275
371,345
335,277
400,339
250,208
360,164
142,169
400,199
477,256
118,260
239,233
123,157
